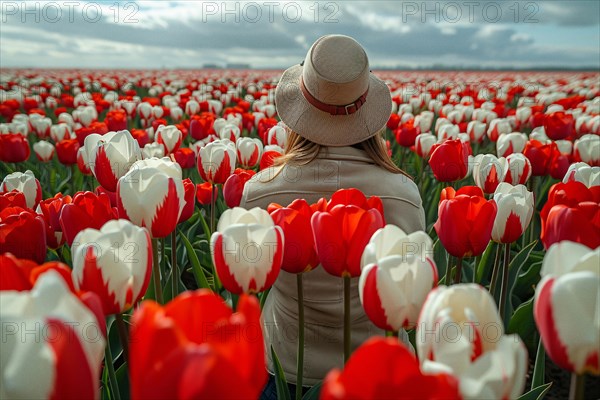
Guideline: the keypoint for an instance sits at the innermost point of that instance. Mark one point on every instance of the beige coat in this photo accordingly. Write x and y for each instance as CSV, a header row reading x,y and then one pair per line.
x,y
335,168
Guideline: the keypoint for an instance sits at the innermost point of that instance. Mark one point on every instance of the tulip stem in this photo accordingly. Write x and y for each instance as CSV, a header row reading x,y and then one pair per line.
x,y
448,269
300,358
577,390
504,289
494,280
156,272
347,333
458,276
123,336
72,180
112,377
213,204
174,269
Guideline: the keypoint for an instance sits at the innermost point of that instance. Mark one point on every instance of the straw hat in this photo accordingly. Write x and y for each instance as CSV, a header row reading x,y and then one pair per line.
x,y
332,98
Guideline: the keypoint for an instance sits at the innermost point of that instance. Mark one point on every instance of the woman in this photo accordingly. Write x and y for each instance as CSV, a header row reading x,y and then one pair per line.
x,y
335,109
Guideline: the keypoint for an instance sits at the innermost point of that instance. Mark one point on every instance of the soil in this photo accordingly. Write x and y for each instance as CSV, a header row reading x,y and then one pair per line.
x,y
561,381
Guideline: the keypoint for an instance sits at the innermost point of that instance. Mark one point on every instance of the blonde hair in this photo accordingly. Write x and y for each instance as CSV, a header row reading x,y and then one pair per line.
x,y
301,151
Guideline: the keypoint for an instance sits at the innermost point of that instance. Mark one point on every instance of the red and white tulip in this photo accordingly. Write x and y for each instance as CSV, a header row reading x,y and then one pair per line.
x,y
515,209
53,344
114,262
216,161
567,304
111,155
459,332
26,183
247,250
151,195
169,137
397,273
249,151
582,172
518,169
44,150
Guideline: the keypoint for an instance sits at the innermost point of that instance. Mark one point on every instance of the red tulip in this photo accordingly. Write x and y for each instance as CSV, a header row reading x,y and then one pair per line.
x,y
449,161
14,198
189,189
572,213
559,125
141,136
393,121
195,347
21,274
539,155
67,150
95,127
342,232
559,164
202,125
355,197
50,209
14,274
299,253
87,210
406,133
382,368
116,120
185,157
14,148
204,192
23,234
264,125
234,186
269,155
465,221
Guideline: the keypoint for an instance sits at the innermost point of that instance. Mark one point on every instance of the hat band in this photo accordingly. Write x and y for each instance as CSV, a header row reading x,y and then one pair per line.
x,y
331,108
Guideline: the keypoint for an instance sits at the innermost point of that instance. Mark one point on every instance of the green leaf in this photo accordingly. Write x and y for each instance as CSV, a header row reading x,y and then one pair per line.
x,y
522,321
314,392
536,394
123,381
263,297
196,267
486,262
539,367
513,271
283,391
113,338
439,256
524,286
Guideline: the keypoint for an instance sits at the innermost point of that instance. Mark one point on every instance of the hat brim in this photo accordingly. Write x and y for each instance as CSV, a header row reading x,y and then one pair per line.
x,y
326,129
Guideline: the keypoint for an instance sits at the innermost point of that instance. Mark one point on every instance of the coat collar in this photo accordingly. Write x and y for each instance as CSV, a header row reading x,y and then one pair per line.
x,y
343,153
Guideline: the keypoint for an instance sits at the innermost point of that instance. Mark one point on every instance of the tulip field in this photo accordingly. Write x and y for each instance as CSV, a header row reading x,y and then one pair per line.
x,y
128,269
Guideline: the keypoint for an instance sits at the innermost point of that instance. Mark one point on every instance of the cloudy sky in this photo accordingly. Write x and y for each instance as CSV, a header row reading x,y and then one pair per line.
x,y
276,34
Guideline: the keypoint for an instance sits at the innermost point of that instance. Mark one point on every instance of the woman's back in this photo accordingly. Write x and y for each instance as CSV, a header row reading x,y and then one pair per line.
x,y
333,168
